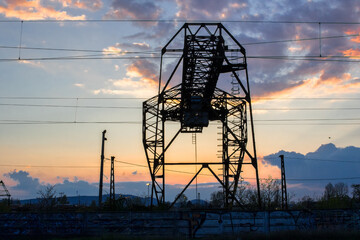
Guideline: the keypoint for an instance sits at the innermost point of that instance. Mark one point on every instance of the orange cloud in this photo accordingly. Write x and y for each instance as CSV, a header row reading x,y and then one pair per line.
x,y
142,68
91,5
320,85
113,50
352,53
332,79
141,81
33,10
283,92
354,39
118,48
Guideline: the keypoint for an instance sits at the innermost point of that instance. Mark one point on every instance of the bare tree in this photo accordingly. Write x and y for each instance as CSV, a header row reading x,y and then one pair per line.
x,y
341,190
47,197
329,191
217,199
270,193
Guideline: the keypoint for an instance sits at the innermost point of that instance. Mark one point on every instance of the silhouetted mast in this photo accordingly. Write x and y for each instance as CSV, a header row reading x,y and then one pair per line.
x,y
112,183
102,166
284,202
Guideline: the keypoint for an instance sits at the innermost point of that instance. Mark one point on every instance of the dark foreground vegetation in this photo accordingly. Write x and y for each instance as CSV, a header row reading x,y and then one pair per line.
x,y
292,235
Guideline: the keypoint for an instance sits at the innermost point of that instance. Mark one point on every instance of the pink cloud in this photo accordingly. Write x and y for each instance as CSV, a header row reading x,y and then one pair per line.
x,y
352,53
144,69
34,10
352,32
121,48
92,5
207,9
141,81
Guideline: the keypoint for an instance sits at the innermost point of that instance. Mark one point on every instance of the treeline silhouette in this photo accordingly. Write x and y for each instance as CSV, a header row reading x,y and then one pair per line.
x,y
334,196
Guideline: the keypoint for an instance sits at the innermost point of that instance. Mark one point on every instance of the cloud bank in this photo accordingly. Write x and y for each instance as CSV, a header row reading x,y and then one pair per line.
x,y
328,163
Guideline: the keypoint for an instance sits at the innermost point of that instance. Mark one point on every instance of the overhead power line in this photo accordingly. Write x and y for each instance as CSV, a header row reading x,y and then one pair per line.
x,y
47,166
134,107
115,52
348,59
65,106
131,98
170,170
74,98
77,50
315,159
183,21
257,120
300,39
290,179
280,122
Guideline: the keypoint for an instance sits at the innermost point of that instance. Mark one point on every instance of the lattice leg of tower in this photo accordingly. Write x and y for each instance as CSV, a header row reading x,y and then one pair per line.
x,y
153,140
112,183
234,139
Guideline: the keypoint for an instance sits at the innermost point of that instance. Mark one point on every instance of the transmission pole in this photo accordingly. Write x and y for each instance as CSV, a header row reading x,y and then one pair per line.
x,y
112,183
194,141
102,167
284,203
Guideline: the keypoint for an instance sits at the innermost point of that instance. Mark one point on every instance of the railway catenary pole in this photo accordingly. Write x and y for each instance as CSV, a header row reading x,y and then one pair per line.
x,y
102,166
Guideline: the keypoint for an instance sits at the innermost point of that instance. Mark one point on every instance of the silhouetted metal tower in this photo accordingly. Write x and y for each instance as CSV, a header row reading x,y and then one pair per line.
x,y
207,53
112,182
4,192
102,167
284,202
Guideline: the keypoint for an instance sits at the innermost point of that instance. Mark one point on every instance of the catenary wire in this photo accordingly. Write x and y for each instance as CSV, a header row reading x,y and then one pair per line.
x,y
130,98
157,52
183,21
349,59
138,122
134,107
314,159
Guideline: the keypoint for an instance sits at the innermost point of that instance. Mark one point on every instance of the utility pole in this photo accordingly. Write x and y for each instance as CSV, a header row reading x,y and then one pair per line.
x,y
284,202
102,167
194,141
112,183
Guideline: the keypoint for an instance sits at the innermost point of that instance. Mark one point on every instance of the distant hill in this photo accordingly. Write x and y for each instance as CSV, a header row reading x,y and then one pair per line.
x,y
87,200
79,200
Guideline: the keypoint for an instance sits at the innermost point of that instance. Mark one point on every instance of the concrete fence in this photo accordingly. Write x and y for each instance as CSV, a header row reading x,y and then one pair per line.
x,y
187,224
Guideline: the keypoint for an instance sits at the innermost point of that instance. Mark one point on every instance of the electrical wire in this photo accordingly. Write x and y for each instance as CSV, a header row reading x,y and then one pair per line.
x,y
300,39
134,107
75,98
288,179
78,50
140,122
66,106
157,52
131,98
315,159
46,166
170,170
349,59
181,21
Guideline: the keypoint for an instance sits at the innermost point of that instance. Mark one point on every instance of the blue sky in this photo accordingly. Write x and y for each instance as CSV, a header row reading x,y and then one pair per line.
x,y
281,89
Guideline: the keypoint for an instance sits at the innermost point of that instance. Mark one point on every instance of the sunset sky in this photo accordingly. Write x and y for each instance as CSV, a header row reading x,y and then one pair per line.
x,y
68,72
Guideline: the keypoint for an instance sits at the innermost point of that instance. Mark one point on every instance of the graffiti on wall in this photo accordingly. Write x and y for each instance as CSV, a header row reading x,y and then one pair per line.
x,y
181,223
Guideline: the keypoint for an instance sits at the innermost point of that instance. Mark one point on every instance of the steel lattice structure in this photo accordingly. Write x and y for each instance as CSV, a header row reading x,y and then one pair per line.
x,y
196,101
4,192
